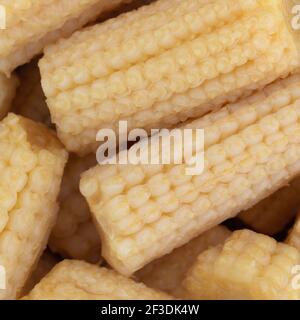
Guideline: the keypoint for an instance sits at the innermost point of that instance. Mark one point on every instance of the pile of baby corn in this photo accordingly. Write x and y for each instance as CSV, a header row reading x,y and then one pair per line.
x,y
71,228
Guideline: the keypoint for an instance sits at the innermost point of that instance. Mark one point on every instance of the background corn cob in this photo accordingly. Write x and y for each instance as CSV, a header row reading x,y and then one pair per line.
x,y
273,214
74,235
167,273
43,267
248,266
293,238
252,149
30,100
162,64
79,280
31,162
31,25
8,88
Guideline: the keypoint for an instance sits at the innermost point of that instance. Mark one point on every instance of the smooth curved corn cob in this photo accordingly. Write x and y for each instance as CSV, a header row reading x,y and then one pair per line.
x,y
30,100
248,266
293,238
44,266
162,64
252,149
31,162
74,235
31,25
167,273
273,214
78,280
8,87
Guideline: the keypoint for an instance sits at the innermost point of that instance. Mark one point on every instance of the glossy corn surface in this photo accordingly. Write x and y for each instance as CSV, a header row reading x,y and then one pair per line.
x,y
164,63
77,280
252,149
31,162
31,25
167,273
248,266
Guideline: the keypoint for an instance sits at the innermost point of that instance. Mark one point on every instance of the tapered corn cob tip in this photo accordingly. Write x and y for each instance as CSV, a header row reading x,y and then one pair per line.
x,y
32,25
248,266
79,280
167,273
293,238
74,235
31,162
8,87
273,214
251,150
162,64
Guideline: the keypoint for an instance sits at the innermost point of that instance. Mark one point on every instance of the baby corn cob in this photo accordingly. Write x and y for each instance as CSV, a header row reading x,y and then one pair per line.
x,y
31,25
252,149
74,235
167,273
248,266
78,280
44,266
32,162
293,238
8,88
30,100
162,64
273,214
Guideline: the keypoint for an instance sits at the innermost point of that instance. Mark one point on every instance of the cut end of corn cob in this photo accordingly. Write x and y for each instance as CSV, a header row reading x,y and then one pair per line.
x,y
30,101
273,214
162,64
8,87
43,267
248,266
252,149
74,235
293,238
78,280
46,27
31,164
167,273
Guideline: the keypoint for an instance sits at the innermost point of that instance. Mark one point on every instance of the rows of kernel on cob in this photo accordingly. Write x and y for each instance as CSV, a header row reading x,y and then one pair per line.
x,y
154,67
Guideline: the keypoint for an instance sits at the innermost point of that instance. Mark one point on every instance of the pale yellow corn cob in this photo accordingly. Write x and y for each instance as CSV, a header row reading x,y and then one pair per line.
x,y
252,149
30,100
273,214
248,266
78,280
8,88
31,25
293,238
74,235
166,274
162,64
31,164
43,267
